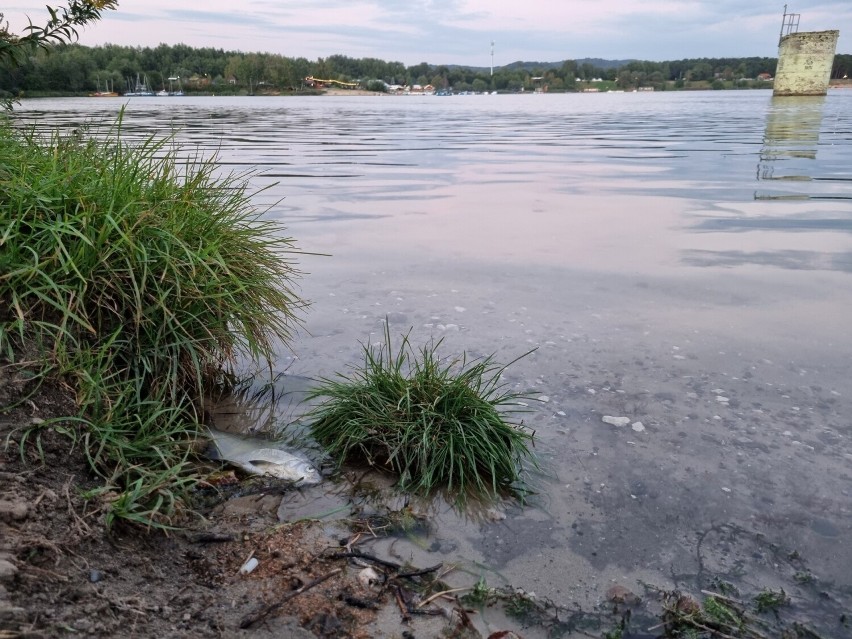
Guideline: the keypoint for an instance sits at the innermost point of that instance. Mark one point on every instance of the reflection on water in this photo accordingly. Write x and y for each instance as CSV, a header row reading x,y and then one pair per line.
x,y
802,171
630,239
791,141
789,259
792,130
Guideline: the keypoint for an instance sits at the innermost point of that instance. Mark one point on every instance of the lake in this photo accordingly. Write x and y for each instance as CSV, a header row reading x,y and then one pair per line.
x,y
683,260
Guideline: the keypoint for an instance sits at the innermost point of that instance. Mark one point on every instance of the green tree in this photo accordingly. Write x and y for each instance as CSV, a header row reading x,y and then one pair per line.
x,y
701,71
61,28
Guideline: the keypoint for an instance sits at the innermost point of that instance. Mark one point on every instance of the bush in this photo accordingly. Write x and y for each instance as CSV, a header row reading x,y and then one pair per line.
x,y
435,423
140,280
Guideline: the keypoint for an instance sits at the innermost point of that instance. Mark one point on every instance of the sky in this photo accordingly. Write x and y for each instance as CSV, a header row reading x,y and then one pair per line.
x,y
459,31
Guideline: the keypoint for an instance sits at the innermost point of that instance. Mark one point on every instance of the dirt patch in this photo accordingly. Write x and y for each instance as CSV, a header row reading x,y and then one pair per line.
x,y
63,573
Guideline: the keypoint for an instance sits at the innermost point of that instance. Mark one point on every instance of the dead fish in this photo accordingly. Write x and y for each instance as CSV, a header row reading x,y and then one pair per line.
x,y
257,457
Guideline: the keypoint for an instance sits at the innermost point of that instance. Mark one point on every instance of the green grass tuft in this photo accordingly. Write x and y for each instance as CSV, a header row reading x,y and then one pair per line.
x,y
139,280
435,423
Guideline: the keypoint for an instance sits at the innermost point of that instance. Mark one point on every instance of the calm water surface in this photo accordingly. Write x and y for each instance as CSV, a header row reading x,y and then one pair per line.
x,y
683,260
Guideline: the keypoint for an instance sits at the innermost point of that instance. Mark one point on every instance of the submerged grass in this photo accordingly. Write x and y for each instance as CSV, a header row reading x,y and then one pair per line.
x,y
139,279
436,423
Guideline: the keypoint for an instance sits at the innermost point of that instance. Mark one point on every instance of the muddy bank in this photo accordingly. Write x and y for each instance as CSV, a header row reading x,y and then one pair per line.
x,y
63,573
349,558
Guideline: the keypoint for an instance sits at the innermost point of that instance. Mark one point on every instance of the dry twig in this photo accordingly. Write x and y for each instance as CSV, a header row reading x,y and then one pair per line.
x,y
251,620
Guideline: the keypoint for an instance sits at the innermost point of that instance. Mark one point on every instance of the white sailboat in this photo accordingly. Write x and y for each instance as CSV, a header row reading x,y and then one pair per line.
x,y
179,91
140,89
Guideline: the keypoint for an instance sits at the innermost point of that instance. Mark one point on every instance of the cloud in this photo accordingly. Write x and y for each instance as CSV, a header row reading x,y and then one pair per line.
x,y
460,31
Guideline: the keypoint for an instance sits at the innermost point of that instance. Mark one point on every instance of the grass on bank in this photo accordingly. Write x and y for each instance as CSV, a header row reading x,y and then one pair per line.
x,y
436,423
138,279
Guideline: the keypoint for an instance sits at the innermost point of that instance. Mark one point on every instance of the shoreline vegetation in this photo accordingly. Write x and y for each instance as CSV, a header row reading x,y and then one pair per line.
x,y
589,88
137,280
76,70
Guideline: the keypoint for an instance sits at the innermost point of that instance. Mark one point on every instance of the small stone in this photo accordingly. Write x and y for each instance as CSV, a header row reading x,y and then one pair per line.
x,y
639,427
8,570
620,594
493,514
83,625
460,309
13,510
544,398
615,421
726,489
95,576
722,399
368,577
561,413
10,614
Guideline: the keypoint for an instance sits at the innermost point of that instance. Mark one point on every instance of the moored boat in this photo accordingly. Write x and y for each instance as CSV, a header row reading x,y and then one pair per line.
x,y
106,93
140,89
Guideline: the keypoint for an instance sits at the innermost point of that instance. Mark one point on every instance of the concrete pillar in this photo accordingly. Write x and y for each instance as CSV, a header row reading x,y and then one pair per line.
x,y
804,62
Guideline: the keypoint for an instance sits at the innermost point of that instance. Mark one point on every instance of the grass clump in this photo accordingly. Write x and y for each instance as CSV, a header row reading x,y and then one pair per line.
x,y
770,600
139,280
435,423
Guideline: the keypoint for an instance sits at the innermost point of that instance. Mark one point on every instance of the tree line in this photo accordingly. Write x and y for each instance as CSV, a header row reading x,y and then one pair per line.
x,y
77,69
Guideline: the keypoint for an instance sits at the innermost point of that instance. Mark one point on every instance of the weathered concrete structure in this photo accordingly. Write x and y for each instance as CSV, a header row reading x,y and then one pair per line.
x,y
804,62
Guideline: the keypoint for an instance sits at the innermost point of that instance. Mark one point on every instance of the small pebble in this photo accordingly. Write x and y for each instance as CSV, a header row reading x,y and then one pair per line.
x,y
615,421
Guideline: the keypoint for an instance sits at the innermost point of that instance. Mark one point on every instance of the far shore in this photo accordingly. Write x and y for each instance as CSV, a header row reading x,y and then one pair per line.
x,y
842,83
352,92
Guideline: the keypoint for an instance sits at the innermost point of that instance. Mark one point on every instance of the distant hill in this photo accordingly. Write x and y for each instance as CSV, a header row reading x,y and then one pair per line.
x,y
598,63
